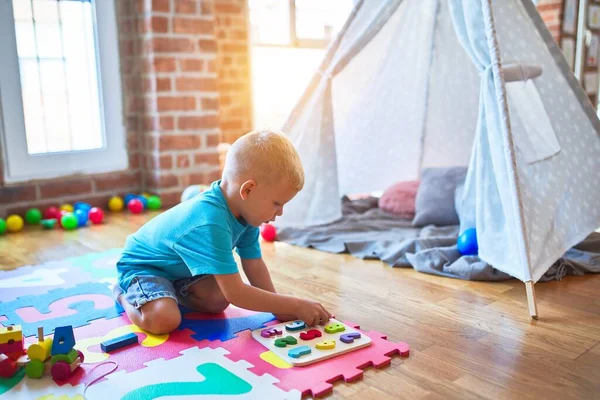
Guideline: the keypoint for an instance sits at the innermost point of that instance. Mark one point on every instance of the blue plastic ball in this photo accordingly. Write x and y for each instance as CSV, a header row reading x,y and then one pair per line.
x,y
82,217
128,197
467,243
80,205
143,200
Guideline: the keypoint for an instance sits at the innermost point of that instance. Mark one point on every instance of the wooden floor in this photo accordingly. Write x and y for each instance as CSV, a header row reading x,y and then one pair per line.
x,y
468,339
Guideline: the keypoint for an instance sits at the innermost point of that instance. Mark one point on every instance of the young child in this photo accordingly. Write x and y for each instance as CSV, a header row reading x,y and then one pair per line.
x,y
184,255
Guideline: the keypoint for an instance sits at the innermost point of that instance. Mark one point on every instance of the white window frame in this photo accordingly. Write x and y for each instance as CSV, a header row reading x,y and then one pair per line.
x,y
19,165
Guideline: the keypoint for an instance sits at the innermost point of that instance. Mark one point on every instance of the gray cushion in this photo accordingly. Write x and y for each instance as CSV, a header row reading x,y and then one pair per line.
x,y
435,204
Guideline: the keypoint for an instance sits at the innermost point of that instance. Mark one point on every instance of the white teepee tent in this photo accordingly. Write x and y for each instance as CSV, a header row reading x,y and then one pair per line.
x,y
410,84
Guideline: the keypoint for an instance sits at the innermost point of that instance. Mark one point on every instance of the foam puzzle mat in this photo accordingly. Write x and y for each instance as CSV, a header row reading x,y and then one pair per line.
x,y
208,357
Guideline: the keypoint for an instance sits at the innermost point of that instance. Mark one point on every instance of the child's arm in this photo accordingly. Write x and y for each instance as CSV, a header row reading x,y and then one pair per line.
x,y
253,298
258,274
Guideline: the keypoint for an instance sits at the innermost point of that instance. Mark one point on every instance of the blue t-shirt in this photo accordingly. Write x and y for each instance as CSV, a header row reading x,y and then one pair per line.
x,y
195,237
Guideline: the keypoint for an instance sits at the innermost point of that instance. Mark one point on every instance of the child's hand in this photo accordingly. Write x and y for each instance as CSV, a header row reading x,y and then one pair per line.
x,y
285,317
312,313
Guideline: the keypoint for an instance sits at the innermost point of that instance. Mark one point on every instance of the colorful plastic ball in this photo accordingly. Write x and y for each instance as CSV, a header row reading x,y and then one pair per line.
x,y
48,223
96,215
115,204
154,203
144,201
135,206
82,217
14,223
69,221
80,205
467,243
268,232
146,195
2,226
52,212
67,207
128,197
33,216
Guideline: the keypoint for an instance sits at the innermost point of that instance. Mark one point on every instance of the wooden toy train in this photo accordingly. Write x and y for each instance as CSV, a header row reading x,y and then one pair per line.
x,y
57,356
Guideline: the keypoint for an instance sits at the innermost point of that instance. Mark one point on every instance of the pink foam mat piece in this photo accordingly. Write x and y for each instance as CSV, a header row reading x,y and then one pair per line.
x,y
315,379
60,308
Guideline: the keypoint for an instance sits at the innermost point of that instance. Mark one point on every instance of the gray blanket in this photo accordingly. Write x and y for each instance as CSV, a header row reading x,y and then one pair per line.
x,y
367,232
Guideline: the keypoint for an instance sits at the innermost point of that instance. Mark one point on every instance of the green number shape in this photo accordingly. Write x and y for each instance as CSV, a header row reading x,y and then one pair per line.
x,y
217,381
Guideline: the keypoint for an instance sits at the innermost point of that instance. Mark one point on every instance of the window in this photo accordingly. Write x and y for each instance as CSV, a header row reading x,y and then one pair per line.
x,y
289,38
60,89
297,23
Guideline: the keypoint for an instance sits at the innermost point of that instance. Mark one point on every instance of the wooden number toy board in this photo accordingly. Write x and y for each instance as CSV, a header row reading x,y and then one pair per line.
x,y
300,345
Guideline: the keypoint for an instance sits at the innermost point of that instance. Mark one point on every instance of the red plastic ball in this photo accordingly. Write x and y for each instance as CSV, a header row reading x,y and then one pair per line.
x,y
135,206
96,215
52,213
268,232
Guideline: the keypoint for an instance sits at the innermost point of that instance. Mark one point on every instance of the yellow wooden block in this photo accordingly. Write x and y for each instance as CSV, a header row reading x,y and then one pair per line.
x,y
326,345
41,350
10,333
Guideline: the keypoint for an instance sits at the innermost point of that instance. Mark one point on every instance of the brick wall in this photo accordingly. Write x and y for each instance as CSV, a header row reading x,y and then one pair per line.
x,y
176,98
235,110
551,11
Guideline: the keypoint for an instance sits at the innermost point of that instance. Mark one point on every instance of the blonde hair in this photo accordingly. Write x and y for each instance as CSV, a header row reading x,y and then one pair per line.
x,y
264,155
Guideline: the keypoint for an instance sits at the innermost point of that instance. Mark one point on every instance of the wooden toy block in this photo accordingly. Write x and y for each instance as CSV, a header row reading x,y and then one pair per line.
x,y
283,342
299,351
114,344
295,326
15,356
11,339
326,345
349,337
334,328
42,350
11,333
64,340
8,367
267,333
68,358
310,335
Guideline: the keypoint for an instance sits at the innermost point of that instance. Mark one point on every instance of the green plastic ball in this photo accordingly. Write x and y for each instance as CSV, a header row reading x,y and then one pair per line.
x,y
2,226
33,216
69,221
154,203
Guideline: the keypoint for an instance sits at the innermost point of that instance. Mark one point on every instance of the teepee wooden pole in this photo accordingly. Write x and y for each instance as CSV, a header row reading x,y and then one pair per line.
x,y
531,299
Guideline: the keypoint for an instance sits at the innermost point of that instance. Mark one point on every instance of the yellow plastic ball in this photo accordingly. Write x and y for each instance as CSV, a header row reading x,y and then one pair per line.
x,y
115,204
67,208
14,223
146,195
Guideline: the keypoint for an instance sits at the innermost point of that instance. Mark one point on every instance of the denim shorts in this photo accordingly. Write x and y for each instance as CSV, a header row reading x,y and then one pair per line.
x,y
145,288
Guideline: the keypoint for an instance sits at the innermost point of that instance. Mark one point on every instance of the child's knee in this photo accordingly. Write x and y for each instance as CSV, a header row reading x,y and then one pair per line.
x,y
160,316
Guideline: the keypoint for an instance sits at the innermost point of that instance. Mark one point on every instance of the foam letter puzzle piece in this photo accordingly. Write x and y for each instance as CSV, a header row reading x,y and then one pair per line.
x,y
217,380
349,337
299,351
283,342
295,326
326,345
64,340
334,328
267,333
311,334
85,310
223,326
200,371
